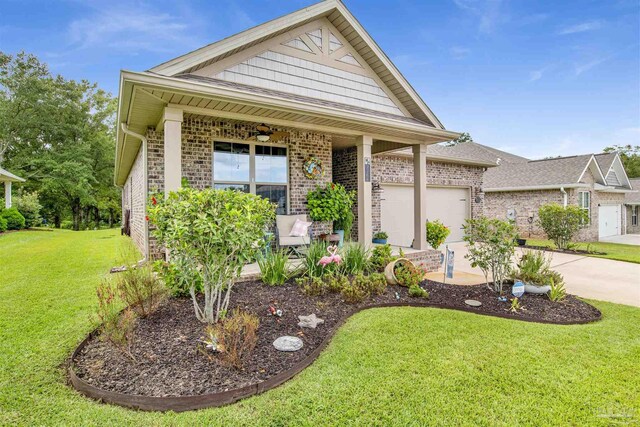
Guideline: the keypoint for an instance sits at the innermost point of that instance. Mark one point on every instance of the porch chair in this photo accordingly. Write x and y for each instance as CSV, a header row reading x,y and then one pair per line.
x,y
284,225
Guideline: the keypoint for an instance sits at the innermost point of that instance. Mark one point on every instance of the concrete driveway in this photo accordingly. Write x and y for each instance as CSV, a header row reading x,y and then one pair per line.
x,y
625,239
587,277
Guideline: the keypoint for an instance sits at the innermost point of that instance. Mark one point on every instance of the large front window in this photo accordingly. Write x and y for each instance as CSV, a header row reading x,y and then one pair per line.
x,y
584,202
252,168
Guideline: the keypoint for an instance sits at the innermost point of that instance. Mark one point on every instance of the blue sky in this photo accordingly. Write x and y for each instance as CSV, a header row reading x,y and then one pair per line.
x,y
537,78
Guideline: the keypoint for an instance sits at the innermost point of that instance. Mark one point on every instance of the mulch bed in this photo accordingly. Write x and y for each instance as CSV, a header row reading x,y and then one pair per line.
x,y
168,362
563,251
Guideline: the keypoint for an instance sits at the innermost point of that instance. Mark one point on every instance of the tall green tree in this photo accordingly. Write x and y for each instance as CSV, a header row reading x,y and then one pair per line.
x,y
59,135
464,137
630,156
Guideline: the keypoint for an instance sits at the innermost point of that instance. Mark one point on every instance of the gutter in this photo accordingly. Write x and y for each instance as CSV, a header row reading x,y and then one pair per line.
x,y
534,187
145,182
564,198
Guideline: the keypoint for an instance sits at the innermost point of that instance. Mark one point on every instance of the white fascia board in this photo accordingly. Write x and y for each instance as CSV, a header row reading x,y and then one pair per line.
x,y
237,95
593,160
535,187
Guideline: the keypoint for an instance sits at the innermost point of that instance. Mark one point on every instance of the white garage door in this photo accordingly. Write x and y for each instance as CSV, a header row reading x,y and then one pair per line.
x,y
608,220
449,205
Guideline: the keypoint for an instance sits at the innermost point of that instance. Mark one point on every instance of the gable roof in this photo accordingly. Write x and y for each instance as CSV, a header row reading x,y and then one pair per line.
x,y
538,174
348,26
633,197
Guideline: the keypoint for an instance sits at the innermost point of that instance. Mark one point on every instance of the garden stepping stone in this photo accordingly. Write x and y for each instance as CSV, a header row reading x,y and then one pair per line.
x,y
473,303
288,343
310,321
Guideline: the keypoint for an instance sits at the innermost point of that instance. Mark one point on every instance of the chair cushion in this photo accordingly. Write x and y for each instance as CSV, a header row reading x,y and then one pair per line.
x,y
294,241
300,228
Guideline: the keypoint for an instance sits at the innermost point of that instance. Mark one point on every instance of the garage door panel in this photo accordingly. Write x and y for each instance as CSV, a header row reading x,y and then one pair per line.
x,y
450,205
609,220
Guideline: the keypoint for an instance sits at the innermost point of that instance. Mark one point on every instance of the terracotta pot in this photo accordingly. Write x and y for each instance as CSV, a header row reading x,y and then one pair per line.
x,y
390,274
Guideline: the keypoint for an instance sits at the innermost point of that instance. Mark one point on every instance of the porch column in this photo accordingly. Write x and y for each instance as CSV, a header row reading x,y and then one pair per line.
x,y
365,224
419,196
172,122
7,194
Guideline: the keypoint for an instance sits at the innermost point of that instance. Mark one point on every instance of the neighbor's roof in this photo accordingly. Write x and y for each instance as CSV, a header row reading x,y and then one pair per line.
x,y
6,176
633,197
605,160
552,173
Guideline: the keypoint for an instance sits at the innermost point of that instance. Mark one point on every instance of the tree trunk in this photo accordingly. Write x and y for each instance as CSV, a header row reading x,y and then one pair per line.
x,y
96,213
110,217
76,212
56,221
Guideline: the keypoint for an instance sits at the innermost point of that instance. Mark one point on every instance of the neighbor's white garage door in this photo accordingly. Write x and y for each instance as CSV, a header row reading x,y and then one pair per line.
x,y
449,205
609,220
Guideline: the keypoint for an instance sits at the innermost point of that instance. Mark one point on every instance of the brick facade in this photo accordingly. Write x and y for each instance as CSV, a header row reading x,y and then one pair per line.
x,y
133,200
632,229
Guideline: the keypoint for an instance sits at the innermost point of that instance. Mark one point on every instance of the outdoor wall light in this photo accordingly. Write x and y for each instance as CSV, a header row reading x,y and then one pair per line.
x,y
262,138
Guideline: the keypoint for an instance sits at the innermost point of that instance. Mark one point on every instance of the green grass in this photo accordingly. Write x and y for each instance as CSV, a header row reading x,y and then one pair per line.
x,y
396,366
616,251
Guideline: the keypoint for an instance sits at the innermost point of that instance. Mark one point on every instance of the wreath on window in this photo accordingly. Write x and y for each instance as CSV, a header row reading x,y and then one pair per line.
x,y
313,168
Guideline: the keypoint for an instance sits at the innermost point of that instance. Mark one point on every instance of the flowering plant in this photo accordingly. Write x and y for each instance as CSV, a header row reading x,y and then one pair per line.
x,y
437,233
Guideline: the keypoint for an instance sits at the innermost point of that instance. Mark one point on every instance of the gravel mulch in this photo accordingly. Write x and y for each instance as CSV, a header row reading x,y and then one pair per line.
x,y
169,363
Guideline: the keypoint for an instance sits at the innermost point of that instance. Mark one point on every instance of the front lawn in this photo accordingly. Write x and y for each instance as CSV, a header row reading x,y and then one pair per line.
x,y
396,366
616,251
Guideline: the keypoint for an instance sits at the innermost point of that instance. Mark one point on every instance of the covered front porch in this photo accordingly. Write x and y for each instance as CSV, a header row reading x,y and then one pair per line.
x,y
209,140
7,178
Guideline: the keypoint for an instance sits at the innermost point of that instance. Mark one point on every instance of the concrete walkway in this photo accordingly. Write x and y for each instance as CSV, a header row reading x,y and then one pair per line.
x,y
625,239
587,277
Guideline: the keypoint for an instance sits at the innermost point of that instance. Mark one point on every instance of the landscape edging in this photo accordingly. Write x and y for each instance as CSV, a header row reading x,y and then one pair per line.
x,y
189,403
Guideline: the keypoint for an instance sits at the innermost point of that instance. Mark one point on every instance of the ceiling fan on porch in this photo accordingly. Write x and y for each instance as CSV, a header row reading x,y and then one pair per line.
x,y
265,134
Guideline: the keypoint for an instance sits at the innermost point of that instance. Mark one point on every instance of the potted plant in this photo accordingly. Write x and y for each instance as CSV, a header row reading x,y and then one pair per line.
x,y
333,203
392,269
534,271
437,233
520,241
380,237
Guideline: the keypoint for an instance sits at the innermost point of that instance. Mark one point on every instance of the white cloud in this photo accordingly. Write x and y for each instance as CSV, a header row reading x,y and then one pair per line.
x,y
580,28
458,52
536,75
133,28
488,12
586,66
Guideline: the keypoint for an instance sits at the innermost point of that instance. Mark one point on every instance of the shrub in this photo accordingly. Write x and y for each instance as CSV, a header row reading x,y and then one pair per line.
x,y
561,224
332,203
437,233
312,286
273,268
212,233
115,327
374,284
557,293
381,235
416,291
355,292
409,275
15,220
140,289
29,206
380,257
490,246
66,224
534,268
355,259
236,337
3,224
335,282
177,278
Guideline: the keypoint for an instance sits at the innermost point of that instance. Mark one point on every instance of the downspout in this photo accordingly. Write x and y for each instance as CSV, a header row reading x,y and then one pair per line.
x,y
564,202
145,182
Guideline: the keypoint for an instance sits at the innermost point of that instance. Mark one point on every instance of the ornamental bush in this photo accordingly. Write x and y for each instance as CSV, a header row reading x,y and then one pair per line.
x,y
29,206
490,245
15,220
561,224
332,203
212,234
437,233
3,224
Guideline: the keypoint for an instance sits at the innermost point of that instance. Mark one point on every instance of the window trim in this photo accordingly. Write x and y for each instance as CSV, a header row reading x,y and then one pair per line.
x,y
581,204
634,215
252,166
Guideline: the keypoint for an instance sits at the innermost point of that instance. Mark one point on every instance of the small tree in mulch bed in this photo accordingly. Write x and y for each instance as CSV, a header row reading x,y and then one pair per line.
x,y
561,224
213,233
490,245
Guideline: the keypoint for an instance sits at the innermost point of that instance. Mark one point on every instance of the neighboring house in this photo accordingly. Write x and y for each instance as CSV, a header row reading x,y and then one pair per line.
x,y
632,208
7,178
314,74
597,183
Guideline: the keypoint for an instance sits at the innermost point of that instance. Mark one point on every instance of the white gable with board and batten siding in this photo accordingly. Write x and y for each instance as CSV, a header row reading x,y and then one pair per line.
x,y
315,61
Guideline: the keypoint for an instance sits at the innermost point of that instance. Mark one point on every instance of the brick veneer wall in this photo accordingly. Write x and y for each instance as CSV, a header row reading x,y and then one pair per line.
x,y
399,169
197,150
631,229
134,200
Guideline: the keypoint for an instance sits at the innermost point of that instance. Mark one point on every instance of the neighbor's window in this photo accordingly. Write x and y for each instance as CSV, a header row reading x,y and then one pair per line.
x,y
584,202
252,168
634,215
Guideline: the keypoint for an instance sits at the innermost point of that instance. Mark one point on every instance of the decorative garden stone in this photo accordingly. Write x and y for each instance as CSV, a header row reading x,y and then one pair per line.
x,y
310,321
288,343
473,303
